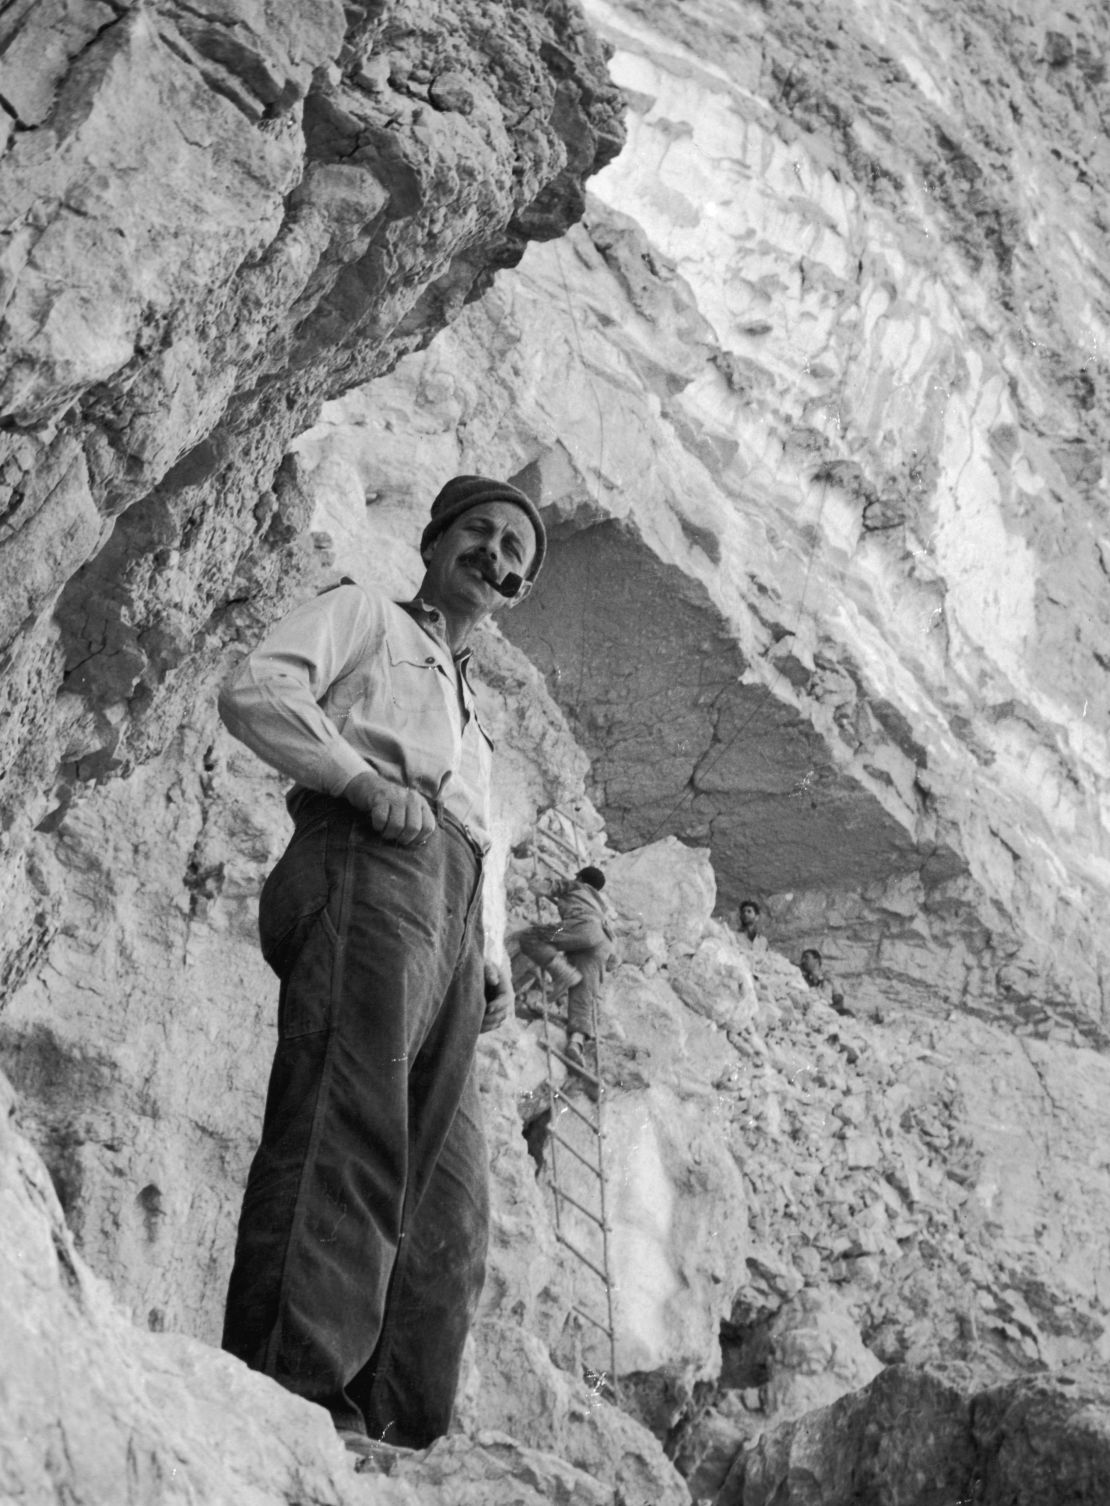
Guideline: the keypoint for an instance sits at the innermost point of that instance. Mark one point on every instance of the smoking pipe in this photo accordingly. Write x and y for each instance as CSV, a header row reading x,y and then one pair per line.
x,y
508,585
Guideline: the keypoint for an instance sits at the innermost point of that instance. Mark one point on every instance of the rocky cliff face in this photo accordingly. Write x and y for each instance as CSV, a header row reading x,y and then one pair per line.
x,y
812,390
212,220
815,397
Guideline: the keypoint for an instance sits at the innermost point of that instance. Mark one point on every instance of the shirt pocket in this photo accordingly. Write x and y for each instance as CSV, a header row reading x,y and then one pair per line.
x,y
414,689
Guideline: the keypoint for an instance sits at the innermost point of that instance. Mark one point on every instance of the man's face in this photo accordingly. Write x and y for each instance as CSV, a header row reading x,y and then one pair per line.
x,y
811,967
482,545
747,916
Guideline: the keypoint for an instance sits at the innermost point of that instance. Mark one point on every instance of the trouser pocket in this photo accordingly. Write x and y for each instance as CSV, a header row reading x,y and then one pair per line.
x,y
297,934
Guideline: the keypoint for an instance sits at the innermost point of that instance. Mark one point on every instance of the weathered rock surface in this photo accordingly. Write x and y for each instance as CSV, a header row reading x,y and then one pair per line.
x,y
97,1411
815,401
1023,1444
668,888
212,220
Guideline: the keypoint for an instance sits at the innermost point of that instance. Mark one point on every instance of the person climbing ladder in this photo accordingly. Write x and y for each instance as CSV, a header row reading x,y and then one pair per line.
x,y
573,952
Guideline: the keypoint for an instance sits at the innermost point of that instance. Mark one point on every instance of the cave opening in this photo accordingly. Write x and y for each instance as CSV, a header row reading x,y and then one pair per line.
x,y
682,740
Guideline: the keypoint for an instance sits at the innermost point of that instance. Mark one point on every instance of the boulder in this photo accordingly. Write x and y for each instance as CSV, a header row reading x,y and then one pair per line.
x,y
816,1355
716,981
667,886
932,1437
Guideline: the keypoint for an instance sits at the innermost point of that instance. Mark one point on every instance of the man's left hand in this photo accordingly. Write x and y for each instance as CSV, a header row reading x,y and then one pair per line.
x,y
499,996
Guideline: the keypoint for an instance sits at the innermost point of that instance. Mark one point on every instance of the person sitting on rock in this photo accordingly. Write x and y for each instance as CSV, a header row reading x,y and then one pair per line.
x,y
573,952
749,931
813,971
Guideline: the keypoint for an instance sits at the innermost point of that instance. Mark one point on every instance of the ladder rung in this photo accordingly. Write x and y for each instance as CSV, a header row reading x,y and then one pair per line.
x,y
549,836
589,1317
598,1220
585,1259
573,1107
547,1011
589,1165
555,864
574,1066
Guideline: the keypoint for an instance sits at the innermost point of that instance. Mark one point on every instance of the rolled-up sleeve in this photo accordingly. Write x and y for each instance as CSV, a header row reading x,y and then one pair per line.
x,y
271,703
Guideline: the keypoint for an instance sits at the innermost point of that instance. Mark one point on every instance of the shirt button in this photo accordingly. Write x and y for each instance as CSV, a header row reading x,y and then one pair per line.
x,y
431,659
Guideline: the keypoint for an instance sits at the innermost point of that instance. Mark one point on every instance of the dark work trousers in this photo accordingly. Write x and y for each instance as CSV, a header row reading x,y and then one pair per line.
x,y
586,947
362,1238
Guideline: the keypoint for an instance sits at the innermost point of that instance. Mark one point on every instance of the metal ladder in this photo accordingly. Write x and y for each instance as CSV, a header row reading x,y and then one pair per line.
x,y
591,1117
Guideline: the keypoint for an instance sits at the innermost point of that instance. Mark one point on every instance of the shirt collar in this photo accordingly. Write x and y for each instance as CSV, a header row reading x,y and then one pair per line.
x,y
431,620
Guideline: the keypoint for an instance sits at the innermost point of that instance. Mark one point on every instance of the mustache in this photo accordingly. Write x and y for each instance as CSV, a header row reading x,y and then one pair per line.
x,y
507,585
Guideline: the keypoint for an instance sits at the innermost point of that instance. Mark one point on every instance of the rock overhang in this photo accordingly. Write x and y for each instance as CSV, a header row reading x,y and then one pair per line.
x,y
211,223
684,735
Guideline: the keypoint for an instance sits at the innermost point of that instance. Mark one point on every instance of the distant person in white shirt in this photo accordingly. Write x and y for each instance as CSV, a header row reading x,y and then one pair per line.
x,y
813,971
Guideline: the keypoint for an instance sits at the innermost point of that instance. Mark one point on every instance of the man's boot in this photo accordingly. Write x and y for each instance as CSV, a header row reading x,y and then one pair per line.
x,y
562,975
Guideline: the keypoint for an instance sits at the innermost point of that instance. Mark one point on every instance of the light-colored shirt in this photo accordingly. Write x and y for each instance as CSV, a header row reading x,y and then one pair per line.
x,y
584,917
352,679
830,991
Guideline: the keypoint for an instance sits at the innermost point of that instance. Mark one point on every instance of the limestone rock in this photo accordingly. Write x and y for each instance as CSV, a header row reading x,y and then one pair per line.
x,y
812,402
494,1470
806,1357
161,876
816,1355
674,1197
668,887
905,1440
809,513
523,1394
920,1438
1044,1439
96,1410
210,223
716,981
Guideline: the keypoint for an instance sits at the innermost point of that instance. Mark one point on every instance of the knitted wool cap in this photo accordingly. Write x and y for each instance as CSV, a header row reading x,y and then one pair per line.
x,y
592,876
465,492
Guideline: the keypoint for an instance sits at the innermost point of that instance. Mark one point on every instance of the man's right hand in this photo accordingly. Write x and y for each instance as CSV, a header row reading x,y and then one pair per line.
x,y
400,815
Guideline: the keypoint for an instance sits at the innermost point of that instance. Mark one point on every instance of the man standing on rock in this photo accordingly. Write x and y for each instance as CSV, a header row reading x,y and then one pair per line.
x,y
361,1247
